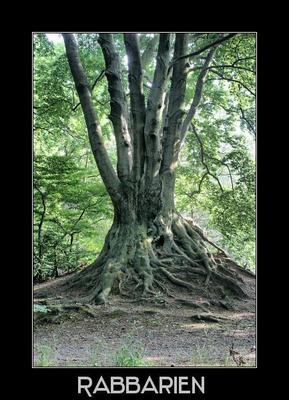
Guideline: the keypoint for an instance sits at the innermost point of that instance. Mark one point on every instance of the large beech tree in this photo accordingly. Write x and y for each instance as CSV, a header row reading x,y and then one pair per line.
x,y
150,247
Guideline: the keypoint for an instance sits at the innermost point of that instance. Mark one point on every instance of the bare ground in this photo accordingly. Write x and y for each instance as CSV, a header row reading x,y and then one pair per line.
x,y
170,334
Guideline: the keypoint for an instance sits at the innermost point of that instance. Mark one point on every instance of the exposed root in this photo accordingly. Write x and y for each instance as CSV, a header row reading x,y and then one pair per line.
x,y
56,310
164,288
175,280
203,305
209,274
204,318
138,266
230,284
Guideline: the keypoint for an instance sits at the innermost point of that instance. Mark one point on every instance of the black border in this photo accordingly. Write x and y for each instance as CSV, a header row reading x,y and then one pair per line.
x,y
63,382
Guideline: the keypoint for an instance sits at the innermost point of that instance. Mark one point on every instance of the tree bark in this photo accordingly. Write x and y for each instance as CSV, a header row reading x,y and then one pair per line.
x,y
155,109
119,110
173,127
138,109
102,159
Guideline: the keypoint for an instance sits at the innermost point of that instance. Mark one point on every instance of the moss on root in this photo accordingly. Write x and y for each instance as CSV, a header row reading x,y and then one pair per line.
x,y
146,261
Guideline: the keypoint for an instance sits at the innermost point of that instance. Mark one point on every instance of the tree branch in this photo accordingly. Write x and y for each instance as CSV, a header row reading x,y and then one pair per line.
x,y
243,59
175,106
103,162
197,95
138,109
200,186
197,52
225,165
118,105
69,231
233,80
98,78
155,107
148,53
203,158
251,127
224,66
236,111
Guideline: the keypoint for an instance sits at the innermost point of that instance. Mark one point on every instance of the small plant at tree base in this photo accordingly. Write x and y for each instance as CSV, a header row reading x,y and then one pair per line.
x,y
94,357
131,354
201,356
40,308
227,362
45,356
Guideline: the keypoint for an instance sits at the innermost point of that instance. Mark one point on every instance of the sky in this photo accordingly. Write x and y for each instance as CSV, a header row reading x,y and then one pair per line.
x,y
54,37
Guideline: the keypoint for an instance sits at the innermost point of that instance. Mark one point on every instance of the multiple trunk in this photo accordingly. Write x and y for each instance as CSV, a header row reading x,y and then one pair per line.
x,y
150,249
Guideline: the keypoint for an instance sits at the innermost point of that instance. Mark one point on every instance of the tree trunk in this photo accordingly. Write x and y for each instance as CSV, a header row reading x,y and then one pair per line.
x,y
151,251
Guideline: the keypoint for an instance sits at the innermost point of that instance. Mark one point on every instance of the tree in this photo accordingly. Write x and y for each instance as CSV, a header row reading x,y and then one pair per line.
x,y
150,247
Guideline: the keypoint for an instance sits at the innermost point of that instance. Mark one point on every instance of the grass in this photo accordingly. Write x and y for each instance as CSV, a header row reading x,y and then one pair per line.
x,y
201,356
131,356
94,357
45,356
131,353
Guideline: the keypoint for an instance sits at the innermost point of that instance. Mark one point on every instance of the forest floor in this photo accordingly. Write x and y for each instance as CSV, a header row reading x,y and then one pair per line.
x,y
122,333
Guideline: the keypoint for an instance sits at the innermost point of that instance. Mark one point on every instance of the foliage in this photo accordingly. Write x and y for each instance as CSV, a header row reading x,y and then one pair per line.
x,y
67,203
223,143
71,209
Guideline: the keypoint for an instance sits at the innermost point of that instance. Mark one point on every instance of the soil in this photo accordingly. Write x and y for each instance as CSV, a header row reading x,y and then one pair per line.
x,y
170,334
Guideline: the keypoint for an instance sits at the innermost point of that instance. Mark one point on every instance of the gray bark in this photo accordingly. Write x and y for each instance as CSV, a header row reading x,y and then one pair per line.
x,y
148,53
176,105
119,111
155,108
102,159
196,99
157,132
137,101
174,121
